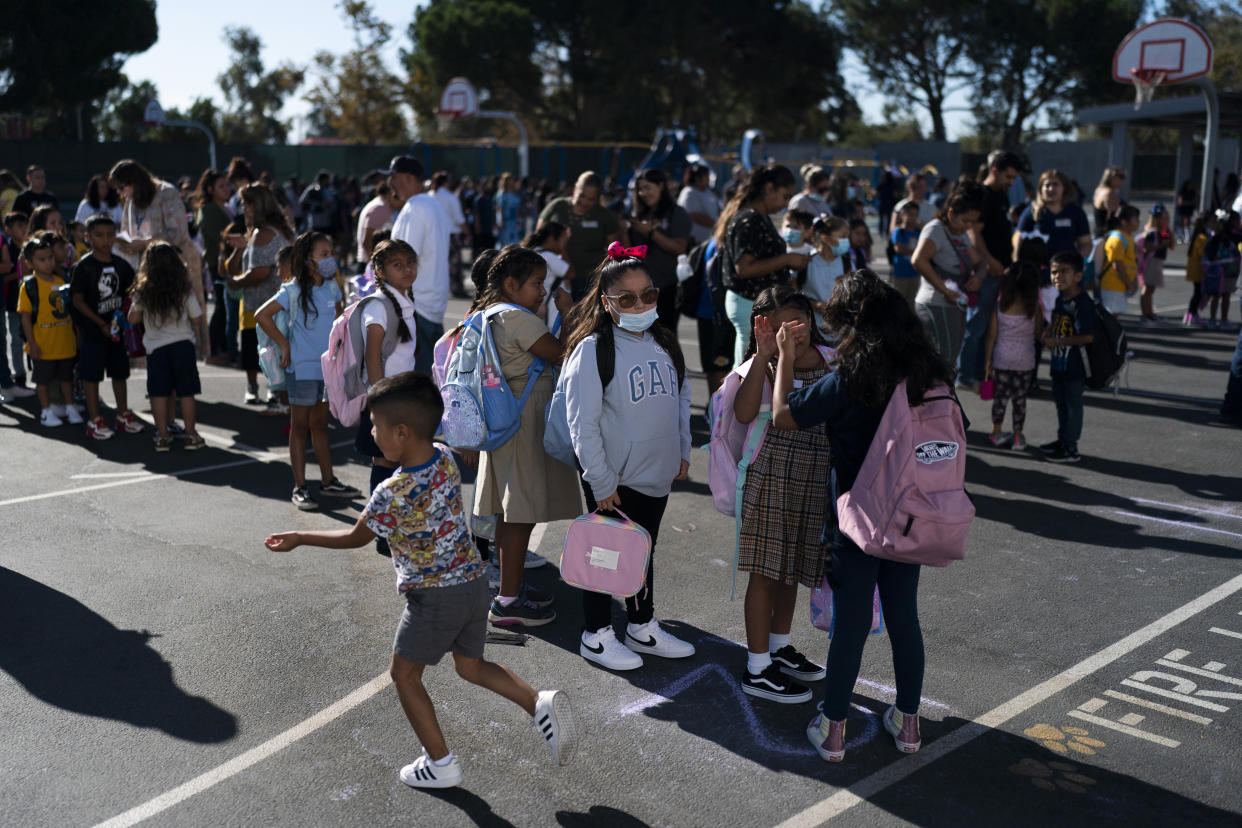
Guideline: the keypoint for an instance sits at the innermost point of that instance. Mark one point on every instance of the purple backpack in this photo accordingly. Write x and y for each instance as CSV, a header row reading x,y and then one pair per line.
x,y
909,502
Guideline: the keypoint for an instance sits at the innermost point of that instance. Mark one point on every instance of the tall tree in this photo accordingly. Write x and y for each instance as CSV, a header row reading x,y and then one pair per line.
x,y
91,42
355,94
913,50
254,94
1042,56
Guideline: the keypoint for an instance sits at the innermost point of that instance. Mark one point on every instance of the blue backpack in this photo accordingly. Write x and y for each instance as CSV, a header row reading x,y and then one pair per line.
x,y
480,412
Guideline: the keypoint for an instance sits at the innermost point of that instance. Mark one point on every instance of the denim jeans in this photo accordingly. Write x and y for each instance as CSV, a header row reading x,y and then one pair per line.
x,y
16,367
971,360
219,319
1231,408
1067,394
857,575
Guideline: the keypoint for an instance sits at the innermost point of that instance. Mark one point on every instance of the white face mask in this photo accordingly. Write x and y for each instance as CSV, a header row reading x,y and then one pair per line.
x,y
637,322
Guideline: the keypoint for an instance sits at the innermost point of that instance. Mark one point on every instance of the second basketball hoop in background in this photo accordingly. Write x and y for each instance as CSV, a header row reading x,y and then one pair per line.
x,y
458,100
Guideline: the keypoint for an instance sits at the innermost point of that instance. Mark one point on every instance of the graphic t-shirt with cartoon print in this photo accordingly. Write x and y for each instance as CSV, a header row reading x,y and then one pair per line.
x,y
1070,317
419,511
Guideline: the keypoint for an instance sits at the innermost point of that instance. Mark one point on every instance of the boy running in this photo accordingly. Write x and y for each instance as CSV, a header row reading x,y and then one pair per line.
x,y
419,510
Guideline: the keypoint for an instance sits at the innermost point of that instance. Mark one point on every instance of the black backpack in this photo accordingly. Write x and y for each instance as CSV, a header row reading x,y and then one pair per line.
x,y
1105,356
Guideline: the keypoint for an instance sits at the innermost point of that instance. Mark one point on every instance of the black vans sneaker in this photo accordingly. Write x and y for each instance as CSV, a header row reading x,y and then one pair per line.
x,y
1063,455
1047,448
796,665
774,685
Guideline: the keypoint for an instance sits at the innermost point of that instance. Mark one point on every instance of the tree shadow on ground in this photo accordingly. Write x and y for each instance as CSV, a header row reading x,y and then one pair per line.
x,y
67,655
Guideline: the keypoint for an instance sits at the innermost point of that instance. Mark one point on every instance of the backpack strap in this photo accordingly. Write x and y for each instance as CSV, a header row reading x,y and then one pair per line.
x,y
32,293
537,365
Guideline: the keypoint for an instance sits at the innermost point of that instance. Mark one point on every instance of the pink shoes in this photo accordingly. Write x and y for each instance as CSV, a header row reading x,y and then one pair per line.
x,y
828,737
904,729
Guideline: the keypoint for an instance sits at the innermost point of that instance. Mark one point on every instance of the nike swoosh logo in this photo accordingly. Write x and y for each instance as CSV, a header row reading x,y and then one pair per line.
x,y
651,642
597,649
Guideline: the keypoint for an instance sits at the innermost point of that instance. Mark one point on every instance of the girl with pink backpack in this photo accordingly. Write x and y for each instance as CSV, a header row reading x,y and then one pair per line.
x,y
881,345
783,500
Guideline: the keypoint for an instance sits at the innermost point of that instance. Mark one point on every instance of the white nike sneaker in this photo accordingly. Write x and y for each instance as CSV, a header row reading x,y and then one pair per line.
x,y
73,416
604,649
48,418
653,639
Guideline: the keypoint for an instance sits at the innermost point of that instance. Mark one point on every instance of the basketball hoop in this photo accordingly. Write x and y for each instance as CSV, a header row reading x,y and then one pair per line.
x,y
1145,83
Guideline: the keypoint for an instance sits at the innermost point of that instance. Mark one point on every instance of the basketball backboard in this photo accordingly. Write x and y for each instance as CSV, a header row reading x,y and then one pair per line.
x,y
1176,49
459,100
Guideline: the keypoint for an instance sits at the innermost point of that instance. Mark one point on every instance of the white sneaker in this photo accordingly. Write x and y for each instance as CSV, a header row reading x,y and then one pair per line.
x,y
61,411
652,639
49,418
534,561
17,392
554,720
423,773
74,417
604,649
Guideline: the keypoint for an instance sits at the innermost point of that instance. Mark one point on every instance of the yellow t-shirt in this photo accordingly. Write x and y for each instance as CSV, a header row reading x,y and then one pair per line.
x,y
1194,259
1123,253
247,318
53,329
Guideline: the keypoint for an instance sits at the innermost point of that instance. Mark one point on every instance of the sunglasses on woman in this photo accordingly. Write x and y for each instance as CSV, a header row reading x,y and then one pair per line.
x,y
625,301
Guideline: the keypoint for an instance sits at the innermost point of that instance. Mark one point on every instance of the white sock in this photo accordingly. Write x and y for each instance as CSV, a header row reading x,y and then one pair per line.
x,y
505,600
756,663
439,763
775,642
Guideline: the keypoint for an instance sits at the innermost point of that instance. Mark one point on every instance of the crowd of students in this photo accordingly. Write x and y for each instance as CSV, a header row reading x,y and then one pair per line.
x,y
818,343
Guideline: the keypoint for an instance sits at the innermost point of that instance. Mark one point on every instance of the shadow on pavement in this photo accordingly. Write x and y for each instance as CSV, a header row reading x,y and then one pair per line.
x,y
66,655
598,817
472,805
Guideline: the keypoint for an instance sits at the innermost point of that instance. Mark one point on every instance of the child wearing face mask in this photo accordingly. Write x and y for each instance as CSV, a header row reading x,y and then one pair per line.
x,y
832,243
628,407
796,231
312,299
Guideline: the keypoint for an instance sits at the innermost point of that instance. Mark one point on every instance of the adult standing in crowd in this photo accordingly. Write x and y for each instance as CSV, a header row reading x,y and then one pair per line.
x,y
213,219
699,202
916,193
153,211
484,209
814,196
509,208
1060,221
843,190
240,174
997,236
376,215
35,194
755,256
946,257
886,200
99,198
424,226
665,229
592,227
1107,198
450,202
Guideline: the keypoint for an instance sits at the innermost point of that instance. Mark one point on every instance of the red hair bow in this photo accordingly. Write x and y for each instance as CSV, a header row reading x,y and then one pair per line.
x,y
617,251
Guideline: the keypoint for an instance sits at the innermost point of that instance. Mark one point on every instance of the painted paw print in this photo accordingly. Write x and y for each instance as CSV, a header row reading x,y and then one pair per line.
x,y
1051,776
1064,739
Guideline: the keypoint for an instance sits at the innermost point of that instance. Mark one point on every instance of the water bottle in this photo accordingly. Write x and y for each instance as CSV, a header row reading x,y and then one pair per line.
x,y
118,326
684,270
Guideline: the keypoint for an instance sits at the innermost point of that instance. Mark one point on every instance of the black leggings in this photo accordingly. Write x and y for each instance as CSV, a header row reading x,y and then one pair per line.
x,y
646,511
1196,299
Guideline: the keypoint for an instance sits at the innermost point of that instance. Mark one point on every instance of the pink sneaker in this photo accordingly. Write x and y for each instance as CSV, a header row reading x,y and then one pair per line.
x,y
904,729
831,745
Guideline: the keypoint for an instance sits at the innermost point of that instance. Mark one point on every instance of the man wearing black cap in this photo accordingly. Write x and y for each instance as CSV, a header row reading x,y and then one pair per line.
x,y
423,224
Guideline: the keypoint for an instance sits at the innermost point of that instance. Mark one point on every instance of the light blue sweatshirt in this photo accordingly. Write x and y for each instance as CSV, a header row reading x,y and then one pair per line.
x,y
635,432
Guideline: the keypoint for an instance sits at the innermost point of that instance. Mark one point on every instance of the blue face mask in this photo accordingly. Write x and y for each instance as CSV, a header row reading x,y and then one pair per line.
x,y
851,191
792,236
637,322
842,247
327,267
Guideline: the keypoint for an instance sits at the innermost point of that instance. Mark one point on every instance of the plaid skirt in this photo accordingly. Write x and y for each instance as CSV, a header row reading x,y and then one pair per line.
x,y
784,505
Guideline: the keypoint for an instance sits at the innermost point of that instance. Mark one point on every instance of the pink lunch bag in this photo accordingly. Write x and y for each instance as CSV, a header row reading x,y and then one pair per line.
x,y
604,554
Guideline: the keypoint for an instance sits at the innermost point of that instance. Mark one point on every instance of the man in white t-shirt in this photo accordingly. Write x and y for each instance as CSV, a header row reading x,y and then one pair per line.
x,y
443,192
423,224
377,214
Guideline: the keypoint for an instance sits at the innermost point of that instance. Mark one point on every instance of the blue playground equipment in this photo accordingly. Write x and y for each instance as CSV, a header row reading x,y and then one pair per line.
x,y
672,151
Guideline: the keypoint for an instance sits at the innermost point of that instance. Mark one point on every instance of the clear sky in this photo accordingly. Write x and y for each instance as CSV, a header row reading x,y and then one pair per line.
x,y
190,52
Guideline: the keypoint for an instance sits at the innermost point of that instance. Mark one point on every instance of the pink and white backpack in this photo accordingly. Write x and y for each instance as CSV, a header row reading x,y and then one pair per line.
x,y
344,363
909,502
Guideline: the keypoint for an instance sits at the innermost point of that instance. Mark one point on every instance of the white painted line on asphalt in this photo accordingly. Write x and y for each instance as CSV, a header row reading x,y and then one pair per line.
x,y
1181,523
1229,633
259,458
847,798
96,475
251,757
1218,512
1120,727
1161,708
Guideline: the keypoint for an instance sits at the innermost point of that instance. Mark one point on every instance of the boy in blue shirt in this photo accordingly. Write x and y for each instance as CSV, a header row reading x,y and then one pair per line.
x,y
420,511
1073,325
905,237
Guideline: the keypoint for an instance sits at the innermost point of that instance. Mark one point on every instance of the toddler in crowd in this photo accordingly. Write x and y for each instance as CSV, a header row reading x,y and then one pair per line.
x,y
1010,348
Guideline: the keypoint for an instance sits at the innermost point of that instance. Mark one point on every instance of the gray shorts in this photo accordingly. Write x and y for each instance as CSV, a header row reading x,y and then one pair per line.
x,y
438,620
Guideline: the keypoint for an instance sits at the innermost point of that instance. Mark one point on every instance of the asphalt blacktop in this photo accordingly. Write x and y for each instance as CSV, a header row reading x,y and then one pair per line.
x,y
1084,663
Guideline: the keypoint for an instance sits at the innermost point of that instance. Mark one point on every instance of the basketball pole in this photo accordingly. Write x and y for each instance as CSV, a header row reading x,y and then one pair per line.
x,y
1210,137
523,148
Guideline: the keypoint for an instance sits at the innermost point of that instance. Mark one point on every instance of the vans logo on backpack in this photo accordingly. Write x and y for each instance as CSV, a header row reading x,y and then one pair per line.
x,y
935,451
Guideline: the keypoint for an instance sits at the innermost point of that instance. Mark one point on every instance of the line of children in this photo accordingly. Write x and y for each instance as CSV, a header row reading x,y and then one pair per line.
x,y
313,300
1010,349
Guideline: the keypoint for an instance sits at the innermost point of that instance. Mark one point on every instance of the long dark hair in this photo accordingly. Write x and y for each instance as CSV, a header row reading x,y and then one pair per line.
x,y
776,298
300,265
965,196
758,179
129,173
881,341
265,209
664,206
202,193
383,253
512,262
162,285
547,230
588,317
99,193
1020,283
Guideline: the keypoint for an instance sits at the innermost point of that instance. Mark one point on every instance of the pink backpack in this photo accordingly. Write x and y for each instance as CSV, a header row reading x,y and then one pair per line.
x,y
604,554
909,503
344,363
824,613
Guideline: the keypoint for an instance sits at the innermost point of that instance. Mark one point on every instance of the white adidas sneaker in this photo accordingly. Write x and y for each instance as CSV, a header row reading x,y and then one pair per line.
x,y
424,773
